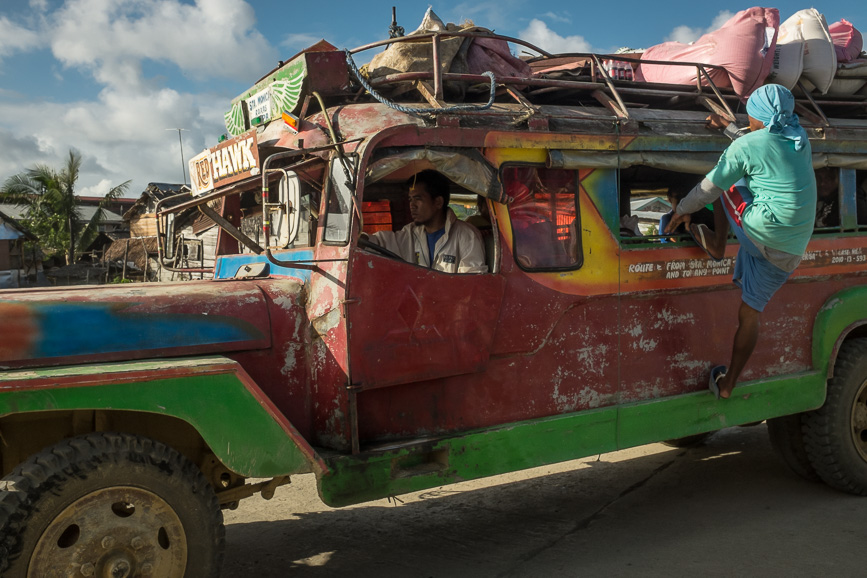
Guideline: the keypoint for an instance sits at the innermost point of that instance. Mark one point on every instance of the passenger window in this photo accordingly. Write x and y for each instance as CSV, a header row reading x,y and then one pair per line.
x,y
861,198
544,216
339,204
647,198
251,219
827,199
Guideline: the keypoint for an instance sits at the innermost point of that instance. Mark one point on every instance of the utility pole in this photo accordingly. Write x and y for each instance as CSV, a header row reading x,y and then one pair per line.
x,y
181,141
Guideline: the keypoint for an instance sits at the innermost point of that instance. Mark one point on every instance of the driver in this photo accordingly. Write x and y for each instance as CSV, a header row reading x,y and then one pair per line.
x,y
456,246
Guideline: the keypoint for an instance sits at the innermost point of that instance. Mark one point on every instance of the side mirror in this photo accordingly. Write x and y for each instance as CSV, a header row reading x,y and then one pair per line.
x,y
285,214
169,240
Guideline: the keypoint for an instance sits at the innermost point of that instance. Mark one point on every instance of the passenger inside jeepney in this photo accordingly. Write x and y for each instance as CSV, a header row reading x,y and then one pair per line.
x,y
703,219
435,238
827,204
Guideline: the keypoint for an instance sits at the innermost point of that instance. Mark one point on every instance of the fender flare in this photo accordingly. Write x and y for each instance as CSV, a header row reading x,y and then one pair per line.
x,y
842,313
243,428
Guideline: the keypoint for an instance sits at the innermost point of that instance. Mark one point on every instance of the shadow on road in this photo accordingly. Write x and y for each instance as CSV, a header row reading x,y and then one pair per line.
x,y
726,508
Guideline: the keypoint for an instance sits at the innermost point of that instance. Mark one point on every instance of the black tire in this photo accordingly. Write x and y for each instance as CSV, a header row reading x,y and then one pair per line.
x,y
836,433
689,441
125,502
787,439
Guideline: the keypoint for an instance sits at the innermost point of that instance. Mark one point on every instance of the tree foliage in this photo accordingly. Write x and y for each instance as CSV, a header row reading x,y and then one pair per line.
x,y
52,209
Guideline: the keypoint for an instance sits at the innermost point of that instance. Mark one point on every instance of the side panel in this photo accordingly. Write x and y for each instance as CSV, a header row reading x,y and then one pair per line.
x,y
532,443
409,323
214,395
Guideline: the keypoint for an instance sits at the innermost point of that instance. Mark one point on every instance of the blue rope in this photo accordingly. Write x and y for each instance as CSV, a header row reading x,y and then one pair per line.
x,y
408,110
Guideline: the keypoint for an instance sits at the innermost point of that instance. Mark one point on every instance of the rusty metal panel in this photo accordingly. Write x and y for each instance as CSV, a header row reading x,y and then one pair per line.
x,y
439,324
81,325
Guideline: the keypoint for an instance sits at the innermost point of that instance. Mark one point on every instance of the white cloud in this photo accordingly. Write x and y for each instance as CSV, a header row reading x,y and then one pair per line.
x,y
686,34
14,38
211,38
554,17
99,189
300,41
497,15
539,34
121,133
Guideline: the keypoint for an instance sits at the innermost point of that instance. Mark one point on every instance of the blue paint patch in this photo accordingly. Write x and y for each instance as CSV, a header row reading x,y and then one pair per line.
x,y
601,187
68,329
227,266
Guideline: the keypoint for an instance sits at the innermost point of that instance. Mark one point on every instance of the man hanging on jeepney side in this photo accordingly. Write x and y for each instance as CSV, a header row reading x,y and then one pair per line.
x,y
435,238
765,183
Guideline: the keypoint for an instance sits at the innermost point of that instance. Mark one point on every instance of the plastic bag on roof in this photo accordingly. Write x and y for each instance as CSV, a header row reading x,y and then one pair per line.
x,y
457,54
417,56
847,40
493,54
744,46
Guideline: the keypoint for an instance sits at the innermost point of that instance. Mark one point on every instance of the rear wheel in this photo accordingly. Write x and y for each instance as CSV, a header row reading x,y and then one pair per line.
x,y
787,438
109,504
836,434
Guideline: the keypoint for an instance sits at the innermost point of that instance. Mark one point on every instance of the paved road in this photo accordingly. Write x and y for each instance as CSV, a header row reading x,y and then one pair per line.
x,y
728,508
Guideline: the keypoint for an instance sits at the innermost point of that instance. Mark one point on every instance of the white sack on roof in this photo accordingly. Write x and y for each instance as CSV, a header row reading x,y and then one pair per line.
x,y
788,64
820,60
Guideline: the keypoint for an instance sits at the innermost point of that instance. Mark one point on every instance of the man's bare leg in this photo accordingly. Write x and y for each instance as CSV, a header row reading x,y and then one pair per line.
x,y
745,342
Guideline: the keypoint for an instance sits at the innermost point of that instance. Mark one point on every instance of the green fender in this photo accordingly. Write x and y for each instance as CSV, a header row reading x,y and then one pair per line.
x,y
246,432
840,314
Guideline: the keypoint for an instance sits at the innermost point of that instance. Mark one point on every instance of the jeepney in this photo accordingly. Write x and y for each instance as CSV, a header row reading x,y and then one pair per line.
x,y
131,415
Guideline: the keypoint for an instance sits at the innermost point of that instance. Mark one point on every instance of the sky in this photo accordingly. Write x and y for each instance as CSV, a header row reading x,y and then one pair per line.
x,y
115,79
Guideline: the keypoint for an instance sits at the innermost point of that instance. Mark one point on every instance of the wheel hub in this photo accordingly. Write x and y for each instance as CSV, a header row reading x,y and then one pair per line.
x,y
859,421
116,532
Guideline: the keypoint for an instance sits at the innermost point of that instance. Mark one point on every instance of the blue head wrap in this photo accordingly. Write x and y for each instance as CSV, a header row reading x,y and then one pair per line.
x,y
774,106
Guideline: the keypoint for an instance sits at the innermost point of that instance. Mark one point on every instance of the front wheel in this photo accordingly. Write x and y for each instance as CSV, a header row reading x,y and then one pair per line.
x,y
109,504
836,433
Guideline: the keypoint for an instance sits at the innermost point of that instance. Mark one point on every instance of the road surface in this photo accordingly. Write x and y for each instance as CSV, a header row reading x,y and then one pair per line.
x,y
726,508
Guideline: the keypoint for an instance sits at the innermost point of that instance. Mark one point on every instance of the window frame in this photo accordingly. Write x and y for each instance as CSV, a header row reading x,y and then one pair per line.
x,y
579,263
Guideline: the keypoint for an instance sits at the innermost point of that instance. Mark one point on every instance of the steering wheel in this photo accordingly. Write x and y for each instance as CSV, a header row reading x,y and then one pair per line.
x,y
364,243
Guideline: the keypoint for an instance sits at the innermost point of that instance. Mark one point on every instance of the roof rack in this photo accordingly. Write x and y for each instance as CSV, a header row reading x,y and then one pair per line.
x,y
593,84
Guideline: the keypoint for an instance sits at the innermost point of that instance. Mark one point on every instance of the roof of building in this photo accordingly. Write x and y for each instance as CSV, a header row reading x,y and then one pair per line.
x,y
155,192
10,228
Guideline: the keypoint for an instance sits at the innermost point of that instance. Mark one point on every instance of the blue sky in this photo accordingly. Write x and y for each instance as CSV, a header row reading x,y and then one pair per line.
x,y
108,77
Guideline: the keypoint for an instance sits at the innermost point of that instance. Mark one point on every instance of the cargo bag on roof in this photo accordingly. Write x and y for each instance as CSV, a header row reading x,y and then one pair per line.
x,y
457,54
744,47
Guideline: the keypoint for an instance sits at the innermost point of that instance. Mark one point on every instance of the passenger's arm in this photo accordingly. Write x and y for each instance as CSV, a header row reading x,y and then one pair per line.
x,y
731,130
704,193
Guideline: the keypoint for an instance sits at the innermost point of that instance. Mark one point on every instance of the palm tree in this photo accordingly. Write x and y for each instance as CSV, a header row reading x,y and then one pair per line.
x,y
52,207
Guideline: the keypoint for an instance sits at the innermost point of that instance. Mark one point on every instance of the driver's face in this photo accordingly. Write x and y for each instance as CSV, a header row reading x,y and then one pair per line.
x,y
422,208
